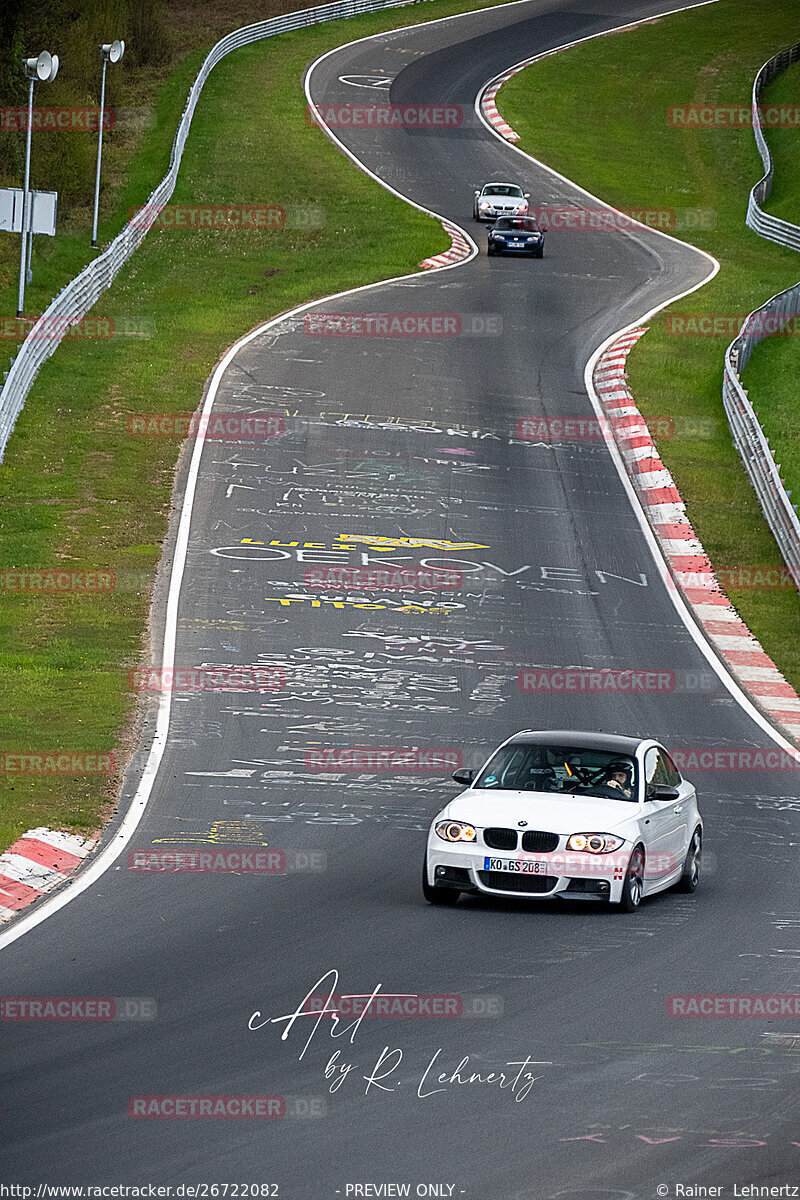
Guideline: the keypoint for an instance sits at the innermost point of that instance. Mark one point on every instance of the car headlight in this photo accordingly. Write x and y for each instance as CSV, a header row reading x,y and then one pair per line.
x,y
594,843
521,208
484,204
497,236
456,831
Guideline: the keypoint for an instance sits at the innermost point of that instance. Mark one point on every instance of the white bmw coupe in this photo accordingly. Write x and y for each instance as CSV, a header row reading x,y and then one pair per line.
x,y
583,816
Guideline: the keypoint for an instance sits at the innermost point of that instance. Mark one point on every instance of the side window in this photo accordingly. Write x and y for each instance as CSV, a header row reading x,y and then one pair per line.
x,y
673,774
659,768
650,765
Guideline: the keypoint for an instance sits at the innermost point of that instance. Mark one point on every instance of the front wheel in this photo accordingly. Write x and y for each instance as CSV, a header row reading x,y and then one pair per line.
x,y
434,895
690,876
490,249
633,886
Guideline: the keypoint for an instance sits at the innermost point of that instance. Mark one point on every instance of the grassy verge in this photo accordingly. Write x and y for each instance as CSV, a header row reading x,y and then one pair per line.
x,y
771,374
160,37
59,259
598,113
784,201
77,491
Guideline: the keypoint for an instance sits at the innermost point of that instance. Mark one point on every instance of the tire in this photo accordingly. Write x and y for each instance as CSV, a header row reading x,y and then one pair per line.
x,y
631,896
434,895
490,250
690,876
539,254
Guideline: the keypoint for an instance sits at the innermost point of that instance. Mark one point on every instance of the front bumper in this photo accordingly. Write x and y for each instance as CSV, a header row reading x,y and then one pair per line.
x,y
492,214
532,248
567,876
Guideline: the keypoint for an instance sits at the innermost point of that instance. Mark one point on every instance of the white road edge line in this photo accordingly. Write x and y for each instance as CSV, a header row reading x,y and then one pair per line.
x,y
108,856
682,608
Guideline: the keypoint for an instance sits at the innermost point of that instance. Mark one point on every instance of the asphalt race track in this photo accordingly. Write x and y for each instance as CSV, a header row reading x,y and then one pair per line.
x,y
410,438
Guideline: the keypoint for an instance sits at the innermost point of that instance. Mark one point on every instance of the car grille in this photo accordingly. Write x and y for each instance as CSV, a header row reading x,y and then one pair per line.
x,y
537,839
500,839
503,881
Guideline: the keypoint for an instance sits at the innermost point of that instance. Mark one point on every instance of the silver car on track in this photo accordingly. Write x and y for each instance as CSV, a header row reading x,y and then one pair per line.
x,y
499,200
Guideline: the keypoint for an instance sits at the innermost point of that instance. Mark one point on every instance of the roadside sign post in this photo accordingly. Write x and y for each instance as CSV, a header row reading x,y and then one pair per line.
x,y
111,52
44,68
21,291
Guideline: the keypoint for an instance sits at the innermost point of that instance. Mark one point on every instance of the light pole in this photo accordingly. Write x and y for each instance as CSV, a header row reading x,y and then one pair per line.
x,y
45,69
111,52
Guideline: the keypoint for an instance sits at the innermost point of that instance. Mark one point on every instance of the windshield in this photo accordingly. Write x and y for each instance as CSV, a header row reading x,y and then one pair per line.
x,y
524,224
562,770
502,189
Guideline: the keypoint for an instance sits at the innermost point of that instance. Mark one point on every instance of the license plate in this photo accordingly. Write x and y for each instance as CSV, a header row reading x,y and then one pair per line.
x,y
520,866
517,245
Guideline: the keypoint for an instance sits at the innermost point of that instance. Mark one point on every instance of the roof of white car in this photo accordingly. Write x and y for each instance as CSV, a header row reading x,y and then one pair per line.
x,y
616,743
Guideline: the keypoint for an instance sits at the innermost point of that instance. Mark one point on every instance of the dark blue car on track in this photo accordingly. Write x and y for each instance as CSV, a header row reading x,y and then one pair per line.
x,y
516,235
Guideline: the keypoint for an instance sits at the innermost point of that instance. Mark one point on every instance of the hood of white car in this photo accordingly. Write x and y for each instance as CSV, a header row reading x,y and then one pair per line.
x,y
541,810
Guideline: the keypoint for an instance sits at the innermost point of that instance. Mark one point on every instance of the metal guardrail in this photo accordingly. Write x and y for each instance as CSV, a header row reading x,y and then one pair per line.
x,y
77,297
760,222
748,436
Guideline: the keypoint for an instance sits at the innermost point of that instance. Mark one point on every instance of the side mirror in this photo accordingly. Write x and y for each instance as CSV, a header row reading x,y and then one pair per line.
x,y
477,192
464,776
661,792
543,228
527,195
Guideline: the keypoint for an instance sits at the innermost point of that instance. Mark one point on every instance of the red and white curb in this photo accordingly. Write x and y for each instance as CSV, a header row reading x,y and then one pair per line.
x,y
489,105
459,249
690,565
36,864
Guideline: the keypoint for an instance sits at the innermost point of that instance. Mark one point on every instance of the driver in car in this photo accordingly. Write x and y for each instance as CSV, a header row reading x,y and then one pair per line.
x,y
618,778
